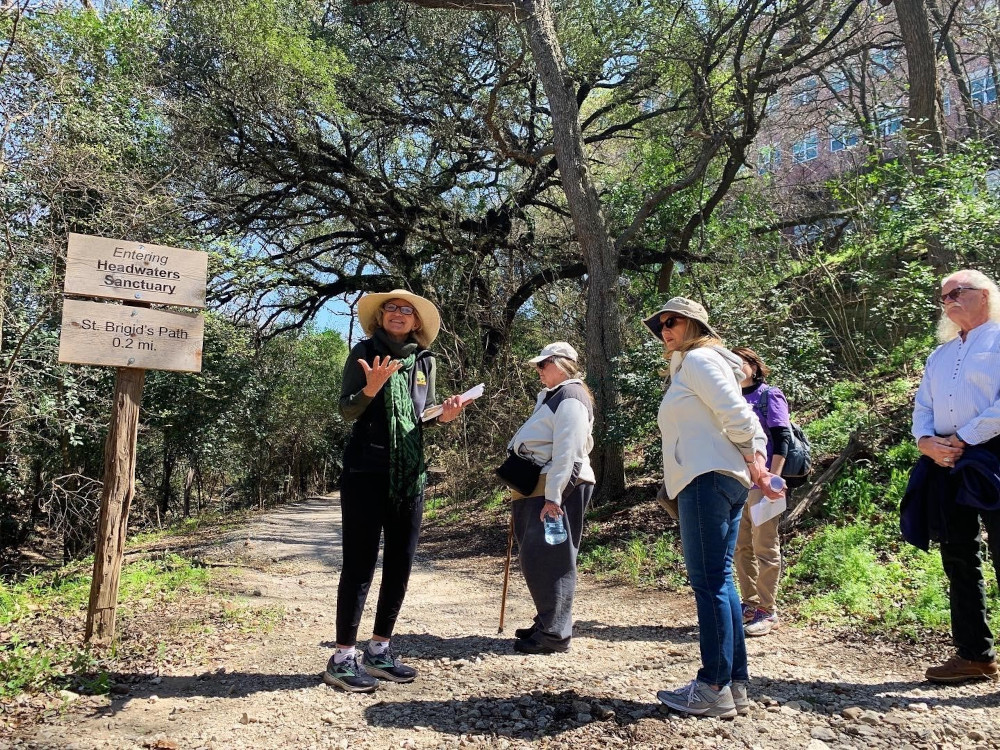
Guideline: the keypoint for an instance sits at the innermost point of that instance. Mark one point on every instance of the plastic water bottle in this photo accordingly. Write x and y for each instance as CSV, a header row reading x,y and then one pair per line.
x,y
555,530
776,483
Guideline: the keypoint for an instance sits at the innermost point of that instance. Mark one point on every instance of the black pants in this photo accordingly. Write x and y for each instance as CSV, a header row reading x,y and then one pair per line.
x,y
963,564
367,511
550,570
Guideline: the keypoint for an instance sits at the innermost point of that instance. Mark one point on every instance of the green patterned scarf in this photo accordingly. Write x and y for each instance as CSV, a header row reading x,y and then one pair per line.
x,y
407,471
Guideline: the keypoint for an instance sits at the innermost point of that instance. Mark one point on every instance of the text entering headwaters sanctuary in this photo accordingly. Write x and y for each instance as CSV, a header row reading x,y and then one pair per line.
x,y
116,269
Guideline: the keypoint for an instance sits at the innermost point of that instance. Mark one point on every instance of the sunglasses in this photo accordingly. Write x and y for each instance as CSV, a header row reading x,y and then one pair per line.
x,y
955,293
393,307
541,365
668,323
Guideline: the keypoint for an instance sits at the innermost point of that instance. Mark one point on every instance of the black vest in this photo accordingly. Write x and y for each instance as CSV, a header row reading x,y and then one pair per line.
x,y
368,446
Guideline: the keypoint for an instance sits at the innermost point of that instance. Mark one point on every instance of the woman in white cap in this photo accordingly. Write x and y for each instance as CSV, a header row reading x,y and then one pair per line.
x,y
558,438
713,450
389,381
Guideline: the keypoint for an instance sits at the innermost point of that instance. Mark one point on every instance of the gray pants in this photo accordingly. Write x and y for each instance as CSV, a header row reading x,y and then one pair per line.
x,y
550,570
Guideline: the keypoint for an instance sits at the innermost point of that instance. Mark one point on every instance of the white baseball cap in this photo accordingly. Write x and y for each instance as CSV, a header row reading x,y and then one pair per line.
x,y
555,349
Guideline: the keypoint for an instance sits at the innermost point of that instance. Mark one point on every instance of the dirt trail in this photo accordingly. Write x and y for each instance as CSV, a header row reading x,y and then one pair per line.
x,y
811,688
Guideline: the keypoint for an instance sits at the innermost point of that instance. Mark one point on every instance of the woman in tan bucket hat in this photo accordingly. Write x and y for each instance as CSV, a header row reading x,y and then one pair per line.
x,y
713,451
389,381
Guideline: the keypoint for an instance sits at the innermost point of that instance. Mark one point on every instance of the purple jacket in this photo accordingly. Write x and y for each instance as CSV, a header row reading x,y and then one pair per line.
x,y
777,412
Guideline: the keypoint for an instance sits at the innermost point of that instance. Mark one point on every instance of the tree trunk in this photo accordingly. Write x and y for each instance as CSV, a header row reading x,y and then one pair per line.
x,y
37,487
168,472
116,497
925,133
188,486
604,338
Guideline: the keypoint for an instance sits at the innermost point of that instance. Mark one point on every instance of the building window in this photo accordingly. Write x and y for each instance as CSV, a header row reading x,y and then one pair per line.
x,y
838,82
843,137
806,92
946,101
888,122
773,102
768,159
882,61
983,86
807,149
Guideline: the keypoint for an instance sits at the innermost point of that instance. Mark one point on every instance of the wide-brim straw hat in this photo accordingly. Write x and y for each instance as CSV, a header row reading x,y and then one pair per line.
x,y
684,307
430,319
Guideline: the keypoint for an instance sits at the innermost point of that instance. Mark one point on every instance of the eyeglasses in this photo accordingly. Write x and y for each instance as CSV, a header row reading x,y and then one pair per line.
x,y
541,365
955,293
393,307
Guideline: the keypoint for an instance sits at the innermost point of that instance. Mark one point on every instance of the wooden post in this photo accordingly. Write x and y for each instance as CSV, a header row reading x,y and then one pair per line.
x,y
116,497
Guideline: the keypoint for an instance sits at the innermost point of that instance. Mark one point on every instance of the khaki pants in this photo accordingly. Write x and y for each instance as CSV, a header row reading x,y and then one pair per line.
x,y
758,559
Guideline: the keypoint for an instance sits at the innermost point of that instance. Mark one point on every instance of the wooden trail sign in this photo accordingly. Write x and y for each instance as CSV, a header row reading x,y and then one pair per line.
x,y
115,269
97,333
133,338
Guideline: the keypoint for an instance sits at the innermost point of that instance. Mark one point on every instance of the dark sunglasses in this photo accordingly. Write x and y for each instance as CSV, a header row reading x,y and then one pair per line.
x,y
955,293
668,323
393,307
541,365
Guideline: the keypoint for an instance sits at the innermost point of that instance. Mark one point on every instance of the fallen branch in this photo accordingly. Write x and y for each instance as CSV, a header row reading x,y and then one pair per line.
x,y
854,446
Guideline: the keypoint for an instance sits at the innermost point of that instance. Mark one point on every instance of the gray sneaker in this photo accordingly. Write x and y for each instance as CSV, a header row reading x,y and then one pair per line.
x,y
699,699
349,675
387,666
763,622
739,689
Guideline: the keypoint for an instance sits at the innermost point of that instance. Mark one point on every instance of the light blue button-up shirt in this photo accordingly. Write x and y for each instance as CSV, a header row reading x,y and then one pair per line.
x,y
960,391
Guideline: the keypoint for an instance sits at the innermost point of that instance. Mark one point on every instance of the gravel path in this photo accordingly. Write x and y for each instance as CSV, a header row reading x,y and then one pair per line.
x,y
811,688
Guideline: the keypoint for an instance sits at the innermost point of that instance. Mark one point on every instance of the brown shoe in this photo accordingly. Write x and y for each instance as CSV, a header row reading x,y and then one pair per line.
x,y
957,669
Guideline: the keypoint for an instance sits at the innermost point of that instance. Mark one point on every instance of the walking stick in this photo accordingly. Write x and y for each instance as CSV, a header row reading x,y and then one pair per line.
x,y
506,572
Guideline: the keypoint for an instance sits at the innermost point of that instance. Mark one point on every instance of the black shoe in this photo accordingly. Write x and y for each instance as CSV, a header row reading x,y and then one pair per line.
x,y
386,666
531,646
349,675
522,633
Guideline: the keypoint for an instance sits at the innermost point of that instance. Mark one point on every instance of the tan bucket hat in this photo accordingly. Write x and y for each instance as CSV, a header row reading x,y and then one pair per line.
x,y
430,319
684,307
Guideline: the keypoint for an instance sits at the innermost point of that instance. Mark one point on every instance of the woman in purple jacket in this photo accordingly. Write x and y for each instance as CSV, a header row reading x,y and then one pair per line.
x,y
758,548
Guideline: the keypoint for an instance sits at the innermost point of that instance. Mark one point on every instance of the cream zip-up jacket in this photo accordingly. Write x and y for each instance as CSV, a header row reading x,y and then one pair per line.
x,y
558,436
705,423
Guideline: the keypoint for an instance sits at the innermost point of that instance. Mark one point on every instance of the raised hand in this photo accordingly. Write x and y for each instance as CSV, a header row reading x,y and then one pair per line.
x,y
377,373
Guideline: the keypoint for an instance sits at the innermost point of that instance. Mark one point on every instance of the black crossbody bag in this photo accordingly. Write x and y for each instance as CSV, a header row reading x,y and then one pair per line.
x,y
518,473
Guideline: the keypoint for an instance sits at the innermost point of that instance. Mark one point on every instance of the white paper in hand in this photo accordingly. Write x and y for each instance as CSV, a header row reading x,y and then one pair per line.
x,y
763,510
470,395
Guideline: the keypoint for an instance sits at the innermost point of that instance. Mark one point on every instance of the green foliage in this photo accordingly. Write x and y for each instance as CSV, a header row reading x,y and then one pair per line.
x,y
641,560
840,575
35,667
29,665
68,590
829,434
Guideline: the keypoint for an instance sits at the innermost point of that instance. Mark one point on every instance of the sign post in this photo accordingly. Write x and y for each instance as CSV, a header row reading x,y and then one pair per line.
x,y
133,338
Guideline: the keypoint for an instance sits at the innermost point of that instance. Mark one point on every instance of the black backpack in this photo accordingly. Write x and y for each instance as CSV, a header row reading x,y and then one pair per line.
x,y
798,462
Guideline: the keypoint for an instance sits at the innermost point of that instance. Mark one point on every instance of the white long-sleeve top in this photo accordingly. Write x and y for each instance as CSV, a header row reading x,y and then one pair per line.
x,y
960,390
705,423
558,436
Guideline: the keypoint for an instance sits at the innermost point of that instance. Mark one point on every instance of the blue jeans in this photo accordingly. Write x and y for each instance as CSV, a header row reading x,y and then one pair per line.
x,y
710,509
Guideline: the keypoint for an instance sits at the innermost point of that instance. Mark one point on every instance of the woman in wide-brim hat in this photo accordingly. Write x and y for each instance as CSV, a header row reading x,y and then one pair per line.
x,y
713,450
389,380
